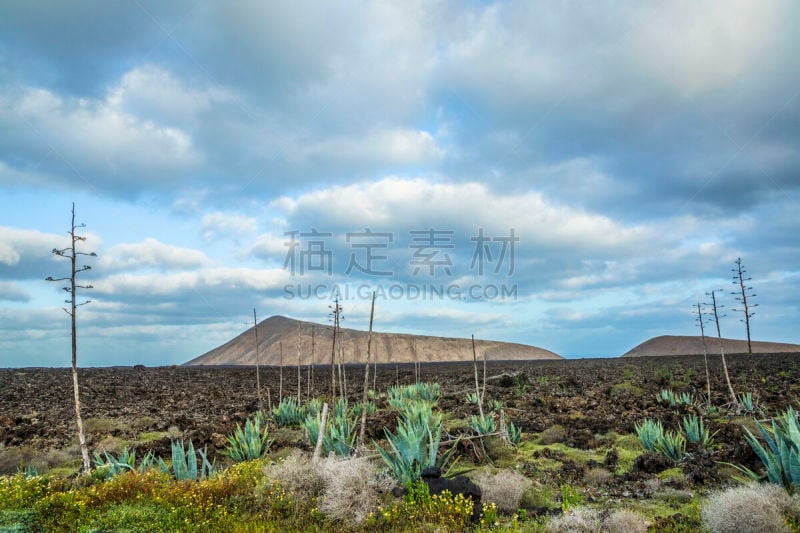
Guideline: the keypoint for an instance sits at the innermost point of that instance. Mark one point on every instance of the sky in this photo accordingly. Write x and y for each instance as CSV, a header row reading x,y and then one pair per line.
x,y
571,176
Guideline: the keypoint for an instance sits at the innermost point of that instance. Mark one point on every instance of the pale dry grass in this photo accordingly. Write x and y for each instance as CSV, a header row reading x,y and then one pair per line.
x,y
756,508
504,489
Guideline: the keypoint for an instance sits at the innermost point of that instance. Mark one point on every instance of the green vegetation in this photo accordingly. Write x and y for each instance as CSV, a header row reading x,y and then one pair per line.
x,y
183,466
249,443
781,458
275,487
124,462
672,444
697,432
483,426
650,433
289,412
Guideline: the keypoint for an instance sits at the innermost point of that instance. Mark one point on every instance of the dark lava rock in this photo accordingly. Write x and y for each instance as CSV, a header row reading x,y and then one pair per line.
x,y
432,476
612,459
651,463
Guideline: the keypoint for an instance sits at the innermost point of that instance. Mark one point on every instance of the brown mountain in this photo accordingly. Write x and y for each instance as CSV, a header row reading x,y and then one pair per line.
x,y
296,338
689,345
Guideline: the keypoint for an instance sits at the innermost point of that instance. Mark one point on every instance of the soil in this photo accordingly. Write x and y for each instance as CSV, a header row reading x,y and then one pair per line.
x,y
588,397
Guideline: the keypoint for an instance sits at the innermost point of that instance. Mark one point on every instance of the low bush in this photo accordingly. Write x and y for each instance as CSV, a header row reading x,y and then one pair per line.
x,y
578,520
753,508
504,488
553,435
624,521
352,489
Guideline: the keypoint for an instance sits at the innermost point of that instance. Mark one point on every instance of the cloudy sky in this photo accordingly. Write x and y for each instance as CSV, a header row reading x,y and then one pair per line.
x,y
574,177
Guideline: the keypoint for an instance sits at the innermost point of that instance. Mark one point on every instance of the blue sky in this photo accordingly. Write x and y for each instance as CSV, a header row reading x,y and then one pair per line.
x,y
635,150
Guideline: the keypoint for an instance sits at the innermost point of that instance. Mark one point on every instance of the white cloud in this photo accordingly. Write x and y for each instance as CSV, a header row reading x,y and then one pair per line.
x,y
402,146
95,139
183,283
26,253
151,253
394,203
229,226
150,91
697,46
12,292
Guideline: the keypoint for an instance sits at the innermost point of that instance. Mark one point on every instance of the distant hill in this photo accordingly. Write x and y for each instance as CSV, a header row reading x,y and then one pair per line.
x,y
689,345
294,337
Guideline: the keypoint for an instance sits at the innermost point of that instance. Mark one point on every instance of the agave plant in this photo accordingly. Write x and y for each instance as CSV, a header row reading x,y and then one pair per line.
x,y
313,407
514,433
472,398
696,431
401,395
125,462
184,463
27,471
356,409
495,405
685,398
249,443
340,436
672,444
668,396
746,402
340,433
781,457
414,447
649,432
289,412
483,426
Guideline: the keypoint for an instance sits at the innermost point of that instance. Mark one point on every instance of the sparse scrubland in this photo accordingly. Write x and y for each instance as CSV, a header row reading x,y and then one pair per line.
x,y
597,445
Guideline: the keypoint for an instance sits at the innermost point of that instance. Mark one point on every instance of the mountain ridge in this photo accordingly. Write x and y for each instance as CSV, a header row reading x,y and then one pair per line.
x,y
300,340
693,345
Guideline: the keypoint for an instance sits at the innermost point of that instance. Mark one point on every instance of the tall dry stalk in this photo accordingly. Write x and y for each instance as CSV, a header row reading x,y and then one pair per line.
x,y
721,347
72,254
701,321
477,385
280,373
366,374
258,363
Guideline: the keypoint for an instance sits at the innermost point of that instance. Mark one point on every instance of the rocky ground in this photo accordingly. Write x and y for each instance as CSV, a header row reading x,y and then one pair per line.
x,y
583,399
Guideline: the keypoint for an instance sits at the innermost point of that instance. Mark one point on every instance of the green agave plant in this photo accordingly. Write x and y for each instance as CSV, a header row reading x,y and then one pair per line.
x,y
289,412
249,443
696,431
483,426
781,457
514,433
184,463
672,444
413,448
649,432
125,462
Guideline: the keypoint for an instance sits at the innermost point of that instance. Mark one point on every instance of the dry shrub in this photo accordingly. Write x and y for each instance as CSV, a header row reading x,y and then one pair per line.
x,y
296,473
15,456
504,489
553,435
597,476
625,521
109,444
579,520
352,488
757,508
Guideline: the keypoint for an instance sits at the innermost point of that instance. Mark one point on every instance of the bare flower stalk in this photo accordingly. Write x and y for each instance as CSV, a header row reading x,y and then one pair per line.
x,y
366,375
258,363
72,254
477,385
721,348
701,320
